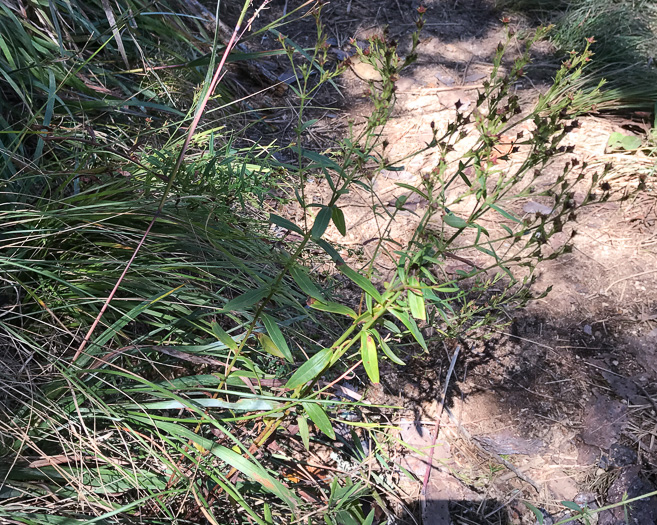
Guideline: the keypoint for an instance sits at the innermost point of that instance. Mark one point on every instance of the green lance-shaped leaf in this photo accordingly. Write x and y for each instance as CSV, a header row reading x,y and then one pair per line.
x,y
247,299
334,308
330,250
369,356
269,346
410,324
322,161
416,300
414,190
250,469
277,337
338,219
572,506
128,317
307,125
370,518
284,223
321,222
363,282
255,472
387,350
539,515
319,417
304,432
223,336
454,221
305,283
243,405
310,369
504,213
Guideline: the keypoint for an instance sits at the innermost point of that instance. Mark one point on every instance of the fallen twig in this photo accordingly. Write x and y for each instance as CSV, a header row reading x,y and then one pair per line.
x,y
430,91
629,277
427,472
466,435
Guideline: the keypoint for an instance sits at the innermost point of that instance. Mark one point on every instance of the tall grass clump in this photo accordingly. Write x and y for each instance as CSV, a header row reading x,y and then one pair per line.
x,y
170,355
65,67
625,34
84,84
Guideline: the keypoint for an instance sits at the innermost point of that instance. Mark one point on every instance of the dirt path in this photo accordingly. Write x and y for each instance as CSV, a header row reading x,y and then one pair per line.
x,y
561,406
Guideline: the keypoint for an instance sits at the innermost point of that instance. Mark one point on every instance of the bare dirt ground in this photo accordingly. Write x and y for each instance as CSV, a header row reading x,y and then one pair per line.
x,y
562,406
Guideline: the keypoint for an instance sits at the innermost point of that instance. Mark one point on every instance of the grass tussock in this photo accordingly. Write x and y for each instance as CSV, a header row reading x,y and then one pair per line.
x,y
625,47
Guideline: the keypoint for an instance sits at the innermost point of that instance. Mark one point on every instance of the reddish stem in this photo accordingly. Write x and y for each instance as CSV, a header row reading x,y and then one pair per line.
x,y
190,133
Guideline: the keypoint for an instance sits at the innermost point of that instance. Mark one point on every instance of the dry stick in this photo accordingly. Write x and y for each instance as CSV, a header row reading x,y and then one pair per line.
x,y
466,435
441,89
114,290
523,339
462,259
645,393
427,472
343,376
630,277
190,133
